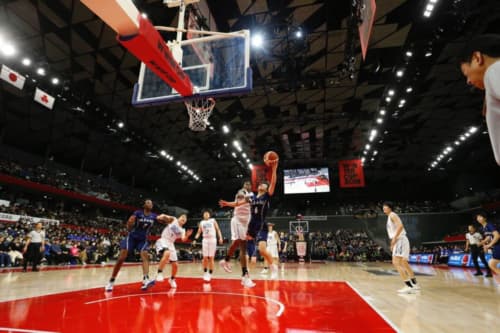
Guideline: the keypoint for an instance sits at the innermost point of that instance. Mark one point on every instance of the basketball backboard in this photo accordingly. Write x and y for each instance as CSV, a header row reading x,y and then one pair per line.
x,y
217,65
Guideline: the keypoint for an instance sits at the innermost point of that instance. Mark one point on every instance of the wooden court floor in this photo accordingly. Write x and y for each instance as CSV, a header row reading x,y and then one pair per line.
x,y
304,298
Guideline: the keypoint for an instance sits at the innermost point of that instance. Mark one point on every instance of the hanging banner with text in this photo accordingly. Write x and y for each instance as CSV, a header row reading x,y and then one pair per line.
x,y
351,173
260,173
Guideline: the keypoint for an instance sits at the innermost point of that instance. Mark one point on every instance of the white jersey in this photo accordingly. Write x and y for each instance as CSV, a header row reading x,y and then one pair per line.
x,y
492,96
242,212
172,232
271,239
208,228
392,227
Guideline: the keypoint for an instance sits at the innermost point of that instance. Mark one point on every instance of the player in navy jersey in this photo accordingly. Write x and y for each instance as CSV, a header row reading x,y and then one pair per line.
x,y
139,226
491,240
259,206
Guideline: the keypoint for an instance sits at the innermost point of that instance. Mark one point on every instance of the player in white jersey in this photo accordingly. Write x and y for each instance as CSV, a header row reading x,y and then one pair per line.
x,y
400,247
273,245
239,227
165,247
209,228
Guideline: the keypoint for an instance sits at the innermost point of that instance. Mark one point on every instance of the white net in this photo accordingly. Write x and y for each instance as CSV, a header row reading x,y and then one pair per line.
x,y
199,110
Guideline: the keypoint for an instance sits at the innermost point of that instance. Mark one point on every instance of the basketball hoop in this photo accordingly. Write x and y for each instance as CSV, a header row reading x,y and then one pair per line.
x,y
199,110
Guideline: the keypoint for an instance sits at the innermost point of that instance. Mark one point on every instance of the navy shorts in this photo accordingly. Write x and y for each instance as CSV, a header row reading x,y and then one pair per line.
x,y
496,252
257,230
251,252
132,243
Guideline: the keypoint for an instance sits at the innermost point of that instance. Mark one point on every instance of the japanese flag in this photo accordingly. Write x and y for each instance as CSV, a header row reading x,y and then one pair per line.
x,y
13,77
43,98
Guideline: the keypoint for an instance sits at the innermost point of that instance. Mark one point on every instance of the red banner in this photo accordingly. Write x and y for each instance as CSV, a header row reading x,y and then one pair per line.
x,y
351,173
260,173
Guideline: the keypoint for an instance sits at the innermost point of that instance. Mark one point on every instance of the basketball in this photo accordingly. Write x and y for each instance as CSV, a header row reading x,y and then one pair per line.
x,y
270,156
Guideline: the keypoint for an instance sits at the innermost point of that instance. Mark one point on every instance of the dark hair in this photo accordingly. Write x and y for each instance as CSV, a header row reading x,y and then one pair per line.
x,y
247,181
388,204
473,226
488,44
209,211
482,213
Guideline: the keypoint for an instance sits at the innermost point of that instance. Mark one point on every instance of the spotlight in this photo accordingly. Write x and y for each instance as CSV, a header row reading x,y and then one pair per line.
x,y
40,71
390,92
225,129
121,124
26,61
55,80
409,89
409,53
257,40
9,49
380,120
399,73
382,112
299,33
428,54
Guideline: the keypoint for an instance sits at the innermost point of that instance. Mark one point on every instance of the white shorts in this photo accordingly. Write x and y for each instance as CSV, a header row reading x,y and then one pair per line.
x,y
239,228
208,247
167,246
401,248
273,251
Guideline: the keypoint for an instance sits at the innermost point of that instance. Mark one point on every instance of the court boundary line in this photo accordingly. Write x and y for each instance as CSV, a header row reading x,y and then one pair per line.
x,y
11,329
387,320
278,314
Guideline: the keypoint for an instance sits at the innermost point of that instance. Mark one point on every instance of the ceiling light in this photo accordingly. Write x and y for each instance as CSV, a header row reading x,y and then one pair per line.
x,y
234,154
179,163
375,153
55,80
365,152
472,130
9,50
409,53
121,124
399,73
225,144
225,129
449,148
382,112
299,33
409,89
26,61
373,132
367,147
457,143
387,99
250,166
430,7
427,14
257,40
391,92
462,138
363,160
467,134
428,54
380,120
236,143
373,159
244,155
40,71
163,153
247,160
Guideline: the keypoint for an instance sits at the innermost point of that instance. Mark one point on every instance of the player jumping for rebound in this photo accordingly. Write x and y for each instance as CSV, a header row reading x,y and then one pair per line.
x,y
239,228
259,204
165,247
139,226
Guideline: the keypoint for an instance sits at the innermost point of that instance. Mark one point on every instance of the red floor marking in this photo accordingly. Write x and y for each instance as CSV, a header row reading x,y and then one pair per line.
x,y
221,306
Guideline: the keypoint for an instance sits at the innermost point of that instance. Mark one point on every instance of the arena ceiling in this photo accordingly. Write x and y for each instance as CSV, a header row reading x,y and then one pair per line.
x,y
304,104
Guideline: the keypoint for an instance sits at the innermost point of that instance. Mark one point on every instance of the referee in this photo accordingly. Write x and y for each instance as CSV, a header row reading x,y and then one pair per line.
x,y
473,238
34,248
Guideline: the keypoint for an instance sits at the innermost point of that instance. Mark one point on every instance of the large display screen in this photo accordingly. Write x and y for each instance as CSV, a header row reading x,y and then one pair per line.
x,y
310,180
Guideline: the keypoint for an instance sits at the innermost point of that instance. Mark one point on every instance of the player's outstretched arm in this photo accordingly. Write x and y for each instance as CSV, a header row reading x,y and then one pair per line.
x,y
496,237
272,182
164,218
224,203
